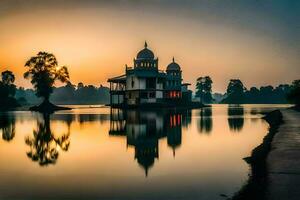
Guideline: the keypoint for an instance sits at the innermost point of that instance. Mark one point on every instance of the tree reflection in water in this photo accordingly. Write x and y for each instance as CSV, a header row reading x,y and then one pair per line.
x,y
205,121
44,145
236,117
7,126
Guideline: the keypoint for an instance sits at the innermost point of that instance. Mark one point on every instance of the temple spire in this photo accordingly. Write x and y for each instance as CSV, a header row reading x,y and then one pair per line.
x,y
146,45
173,59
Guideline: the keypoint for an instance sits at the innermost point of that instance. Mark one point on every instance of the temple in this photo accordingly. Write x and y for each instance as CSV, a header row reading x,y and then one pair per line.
x,y
144,84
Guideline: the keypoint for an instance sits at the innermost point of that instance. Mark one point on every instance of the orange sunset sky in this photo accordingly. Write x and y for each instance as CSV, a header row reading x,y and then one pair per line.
x,y
257,42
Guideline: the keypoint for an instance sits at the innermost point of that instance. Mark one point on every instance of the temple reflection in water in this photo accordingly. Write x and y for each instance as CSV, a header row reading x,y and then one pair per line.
x,y
144,129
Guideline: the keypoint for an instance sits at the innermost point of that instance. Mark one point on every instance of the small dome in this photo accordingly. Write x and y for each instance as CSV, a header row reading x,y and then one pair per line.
x,y
173,66
145,53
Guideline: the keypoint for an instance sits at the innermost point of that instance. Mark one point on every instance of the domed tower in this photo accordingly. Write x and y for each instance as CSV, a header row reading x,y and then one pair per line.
x,y
173,66
174,79
145,59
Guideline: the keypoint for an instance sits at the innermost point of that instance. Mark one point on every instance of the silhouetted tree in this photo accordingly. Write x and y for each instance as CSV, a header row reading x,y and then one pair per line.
x,y
43,70
80,85
235,92
204,89
267,91
252,95
294,94
7,91
44,145
280,93
8,77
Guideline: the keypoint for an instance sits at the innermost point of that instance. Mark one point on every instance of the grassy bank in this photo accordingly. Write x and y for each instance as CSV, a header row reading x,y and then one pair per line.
x,y
256,186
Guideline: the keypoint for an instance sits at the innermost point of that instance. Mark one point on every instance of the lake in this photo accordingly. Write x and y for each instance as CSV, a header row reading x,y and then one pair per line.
x,y
94,152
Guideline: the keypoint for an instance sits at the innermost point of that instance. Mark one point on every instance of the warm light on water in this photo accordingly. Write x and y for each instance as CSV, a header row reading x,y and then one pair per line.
x,y
133,155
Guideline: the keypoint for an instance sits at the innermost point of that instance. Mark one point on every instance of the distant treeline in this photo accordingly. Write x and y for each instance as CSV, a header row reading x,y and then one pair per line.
x,y
89,94
268,94
237,93
68,94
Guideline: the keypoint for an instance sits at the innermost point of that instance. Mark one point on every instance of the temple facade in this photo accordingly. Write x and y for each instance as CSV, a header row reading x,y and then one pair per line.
x,y
145,84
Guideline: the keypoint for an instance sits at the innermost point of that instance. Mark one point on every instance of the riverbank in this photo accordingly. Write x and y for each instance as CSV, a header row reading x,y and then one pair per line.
x,y
256,187
283,160
47,107
43,108
275,164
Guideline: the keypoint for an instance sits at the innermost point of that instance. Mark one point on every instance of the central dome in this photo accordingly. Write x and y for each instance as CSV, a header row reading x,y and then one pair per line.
x,y
145,53
173,66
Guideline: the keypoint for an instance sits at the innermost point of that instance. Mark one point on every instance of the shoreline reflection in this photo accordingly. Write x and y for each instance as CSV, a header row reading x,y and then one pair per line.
x,y
139,153
7,126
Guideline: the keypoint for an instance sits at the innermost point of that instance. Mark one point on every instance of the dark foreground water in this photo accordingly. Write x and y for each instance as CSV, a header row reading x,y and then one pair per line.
x,y
96,153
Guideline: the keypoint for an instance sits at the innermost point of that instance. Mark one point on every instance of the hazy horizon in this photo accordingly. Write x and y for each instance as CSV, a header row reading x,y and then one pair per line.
x,y
257,42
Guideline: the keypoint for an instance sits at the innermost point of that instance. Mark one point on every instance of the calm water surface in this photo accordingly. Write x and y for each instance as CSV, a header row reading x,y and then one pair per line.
x,y
96,153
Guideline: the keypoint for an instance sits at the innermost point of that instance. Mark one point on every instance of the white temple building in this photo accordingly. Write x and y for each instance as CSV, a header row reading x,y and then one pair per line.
x,y
145,84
